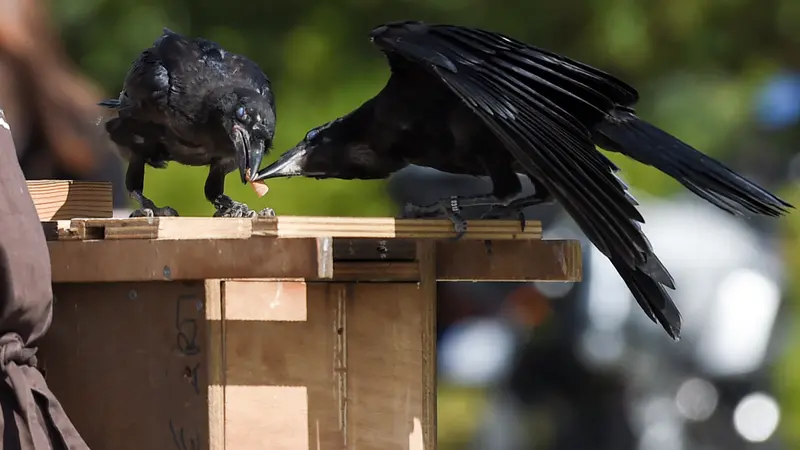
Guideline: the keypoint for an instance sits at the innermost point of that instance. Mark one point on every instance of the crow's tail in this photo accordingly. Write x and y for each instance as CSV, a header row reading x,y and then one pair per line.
x,y
625,133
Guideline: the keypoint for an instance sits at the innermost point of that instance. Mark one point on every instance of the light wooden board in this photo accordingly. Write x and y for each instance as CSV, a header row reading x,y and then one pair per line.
x,y
67,199
387,227
190,228
128,361
428,292
325,366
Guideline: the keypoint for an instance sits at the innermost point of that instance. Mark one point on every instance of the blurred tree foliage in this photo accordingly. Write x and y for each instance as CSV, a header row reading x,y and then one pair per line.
x,y
696,63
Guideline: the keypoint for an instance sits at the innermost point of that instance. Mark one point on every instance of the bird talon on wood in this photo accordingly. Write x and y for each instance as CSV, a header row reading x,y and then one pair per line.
x,y
267,212
413,211
149,209
154,212
143,212
234,209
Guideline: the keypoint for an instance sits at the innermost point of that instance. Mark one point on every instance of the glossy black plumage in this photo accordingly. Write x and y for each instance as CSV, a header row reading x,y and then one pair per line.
x,y
195,103
470,101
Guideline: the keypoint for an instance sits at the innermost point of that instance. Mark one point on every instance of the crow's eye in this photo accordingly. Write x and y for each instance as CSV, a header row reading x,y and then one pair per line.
x,y
312,134
241,113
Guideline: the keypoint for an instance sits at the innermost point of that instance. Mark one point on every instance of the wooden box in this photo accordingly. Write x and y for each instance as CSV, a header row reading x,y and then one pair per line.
x,y
288,333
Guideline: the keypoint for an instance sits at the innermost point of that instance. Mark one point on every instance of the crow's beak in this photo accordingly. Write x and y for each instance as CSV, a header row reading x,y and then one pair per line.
x,y
249,152
290,164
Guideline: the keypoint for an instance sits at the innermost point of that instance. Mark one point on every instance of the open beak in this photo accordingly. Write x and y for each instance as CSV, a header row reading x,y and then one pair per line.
x,y
290,164
249,153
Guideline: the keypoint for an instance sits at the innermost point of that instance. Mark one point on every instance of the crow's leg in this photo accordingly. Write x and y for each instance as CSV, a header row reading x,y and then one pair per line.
x,y
226,206
450,207
516,206
134,182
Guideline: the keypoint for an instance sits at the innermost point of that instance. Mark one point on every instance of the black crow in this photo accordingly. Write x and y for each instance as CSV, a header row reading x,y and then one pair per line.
x,y
470,101
193,102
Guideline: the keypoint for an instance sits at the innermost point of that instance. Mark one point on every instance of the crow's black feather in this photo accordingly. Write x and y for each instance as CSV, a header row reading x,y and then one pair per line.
x,y
195,103
471,101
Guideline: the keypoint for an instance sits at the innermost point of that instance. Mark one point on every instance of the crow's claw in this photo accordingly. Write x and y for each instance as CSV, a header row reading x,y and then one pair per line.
x,y
155,212
515,208
232,208
149,209
446,207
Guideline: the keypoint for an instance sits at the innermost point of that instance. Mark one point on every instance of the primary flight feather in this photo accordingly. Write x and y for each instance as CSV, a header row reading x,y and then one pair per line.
x,y
470,101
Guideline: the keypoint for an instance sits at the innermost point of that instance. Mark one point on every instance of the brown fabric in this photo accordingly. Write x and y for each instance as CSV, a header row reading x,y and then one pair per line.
x,y
32,418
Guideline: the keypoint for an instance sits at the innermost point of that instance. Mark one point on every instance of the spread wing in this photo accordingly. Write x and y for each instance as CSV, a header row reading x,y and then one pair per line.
x,y
540,106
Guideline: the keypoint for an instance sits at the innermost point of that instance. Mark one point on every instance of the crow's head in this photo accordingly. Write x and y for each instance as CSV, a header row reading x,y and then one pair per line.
x,y
337,149
248,121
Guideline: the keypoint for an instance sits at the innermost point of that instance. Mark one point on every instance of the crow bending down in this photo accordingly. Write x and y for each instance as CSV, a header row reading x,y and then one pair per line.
x,y
191,101
470,101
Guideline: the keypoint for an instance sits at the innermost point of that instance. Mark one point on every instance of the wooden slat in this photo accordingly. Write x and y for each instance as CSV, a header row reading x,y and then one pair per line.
x,y
67,199
144,260
426,252
184,228
534,260
387,227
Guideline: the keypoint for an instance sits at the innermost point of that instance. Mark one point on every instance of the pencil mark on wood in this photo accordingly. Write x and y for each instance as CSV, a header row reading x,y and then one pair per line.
x,y
181,441
186,328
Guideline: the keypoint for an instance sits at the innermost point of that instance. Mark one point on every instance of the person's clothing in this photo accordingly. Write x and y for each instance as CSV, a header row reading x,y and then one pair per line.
x,y
32,418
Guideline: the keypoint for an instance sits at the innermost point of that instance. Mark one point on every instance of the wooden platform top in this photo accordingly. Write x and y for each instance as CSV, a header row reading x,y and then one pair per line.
x,y
193,228
310,248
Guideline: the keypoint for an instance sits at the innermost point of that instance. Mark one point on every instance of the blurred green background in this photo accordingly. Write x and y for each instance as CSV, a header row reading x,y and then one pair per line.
x,y
697,64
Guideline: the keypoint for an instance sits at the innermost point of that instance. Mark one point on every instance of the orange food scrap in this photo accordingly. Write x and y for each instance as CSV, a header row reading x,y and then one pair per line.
x,y
260,187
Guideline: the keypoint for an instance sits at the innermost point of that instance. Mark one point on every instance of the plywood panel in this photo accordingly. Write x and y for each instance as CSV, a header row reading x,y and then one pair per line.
x,y
128,363
384,364
348,375
282,376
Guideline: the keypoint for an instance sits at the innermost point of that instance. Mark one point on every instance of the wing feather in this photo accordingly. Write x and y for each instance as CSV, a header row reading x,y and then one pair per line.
x,y
518,91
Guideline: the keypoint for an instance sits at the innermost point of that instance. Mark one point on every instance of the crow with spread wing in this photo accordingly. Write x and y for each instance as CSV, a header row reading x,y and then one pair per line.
x,y
193,102
470,101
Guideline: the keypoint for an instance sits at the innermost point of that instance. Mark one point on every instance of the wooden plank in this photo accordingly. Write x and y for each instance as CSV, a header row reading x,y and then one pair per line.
x,y
145,260
188,228
181,228
426,252
323,365
215,330
124,350
67,199
385,368
281,366
387,227
534,260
